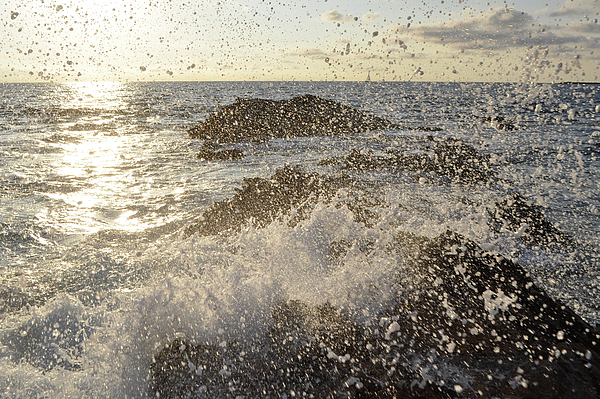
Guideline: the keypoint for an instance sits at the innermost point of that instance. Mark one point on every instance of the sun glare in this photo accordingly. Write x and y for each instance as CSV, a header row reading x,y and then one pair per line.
x,y
96,148
95,95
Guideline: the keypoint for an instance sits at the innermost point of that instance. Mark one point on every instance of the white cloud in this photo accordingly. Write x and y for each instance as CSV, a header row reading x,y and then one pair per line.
x,y
336,16
584,28
497,29
332,16
371,16
577,8
314,53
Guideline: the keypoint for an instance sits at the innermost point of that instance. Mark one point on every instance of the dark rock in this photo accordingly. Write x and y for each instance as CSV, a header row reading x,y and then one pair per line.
x,y
516,214
452,159
499,122
210,152
13,299
498,320
263,200
467,323
308,115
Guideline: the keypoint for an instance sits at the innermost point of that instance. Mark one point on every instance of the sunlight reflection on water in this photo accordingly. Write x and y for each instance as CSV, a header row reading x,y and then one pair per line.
x,y
103,95
103,153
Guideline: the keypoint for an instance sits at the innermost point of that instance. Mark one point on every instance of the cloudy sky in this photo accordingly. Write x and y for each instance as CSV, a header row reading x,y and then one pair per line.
x,y
443,40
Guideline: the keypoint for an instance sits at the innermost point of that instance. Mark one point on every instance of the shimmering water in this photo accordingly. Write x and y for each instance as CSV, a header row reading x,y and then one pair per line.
x,y
98,182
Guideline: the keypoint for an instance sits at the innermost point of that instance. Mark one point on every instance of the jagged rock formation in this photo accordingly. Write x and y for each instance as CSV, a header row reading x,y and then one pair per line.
x,y
308,115
210,152
470,324
516,214
263,200
452,159
499,122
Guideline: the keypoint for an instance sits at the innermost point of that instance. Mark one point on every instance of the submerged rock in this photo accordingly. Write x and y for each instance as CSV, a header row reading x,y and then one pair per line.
x,y
499,122
210,152
516,214
261,201
308,115
13,299
467,323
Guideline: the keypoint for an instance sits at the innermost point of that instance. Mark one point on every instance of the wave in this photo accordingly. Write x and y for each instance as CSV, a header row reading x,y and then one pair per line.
x,y
16,237
61,138
59,113
14,186
392,307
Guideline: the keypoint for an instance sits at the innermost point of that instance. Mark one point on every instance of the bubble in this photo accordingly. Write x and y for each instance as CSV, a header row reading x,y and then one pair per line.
x,y
143,68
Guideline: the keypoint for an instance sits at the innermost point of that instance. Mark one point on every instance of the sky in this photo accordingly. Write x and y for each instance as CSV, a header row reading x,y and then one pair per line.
x,y
389,40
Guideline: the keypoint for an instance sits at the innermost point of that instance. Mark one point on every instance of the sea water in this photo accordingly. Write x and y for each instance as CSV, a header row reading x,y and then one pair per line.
x,y
98,182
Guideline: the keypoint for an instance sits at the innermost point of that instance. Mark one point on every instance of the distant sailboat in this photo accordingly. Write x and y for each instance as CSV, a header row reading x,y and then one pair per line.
x,y
368,77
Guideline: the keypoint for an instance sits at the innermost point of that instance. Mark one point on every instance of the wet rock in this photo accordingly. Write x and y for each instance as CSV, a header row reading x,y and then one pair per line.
x,y
499,122
516,214
308,115
263,200
466,323
210,152
13,299
308,352
451,159
483,310
182,368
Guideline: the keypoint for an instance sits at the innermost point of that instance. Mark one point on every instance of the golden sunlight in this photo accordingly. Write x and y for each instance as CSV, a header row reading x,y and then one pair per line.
x,y
94,95
99,150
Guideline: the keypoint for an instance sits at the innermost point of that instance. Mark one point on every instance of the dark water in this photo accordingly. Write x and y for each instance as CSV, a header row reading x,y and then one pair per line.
x,y
98,183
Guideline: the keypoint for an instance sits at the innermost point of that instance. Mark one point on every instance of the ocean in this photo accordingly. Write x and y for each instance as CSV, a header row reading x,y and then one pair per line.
x,y
100,183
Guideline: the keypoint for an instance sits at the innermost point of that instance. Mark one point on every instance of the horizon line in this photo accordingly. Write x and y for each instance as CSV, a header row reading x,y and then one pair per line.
x,y
292,81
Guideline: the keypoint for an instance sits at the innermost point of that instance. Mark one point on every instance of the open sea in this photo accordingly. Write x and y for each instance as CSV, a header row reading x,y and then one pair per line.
x,y
99,182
